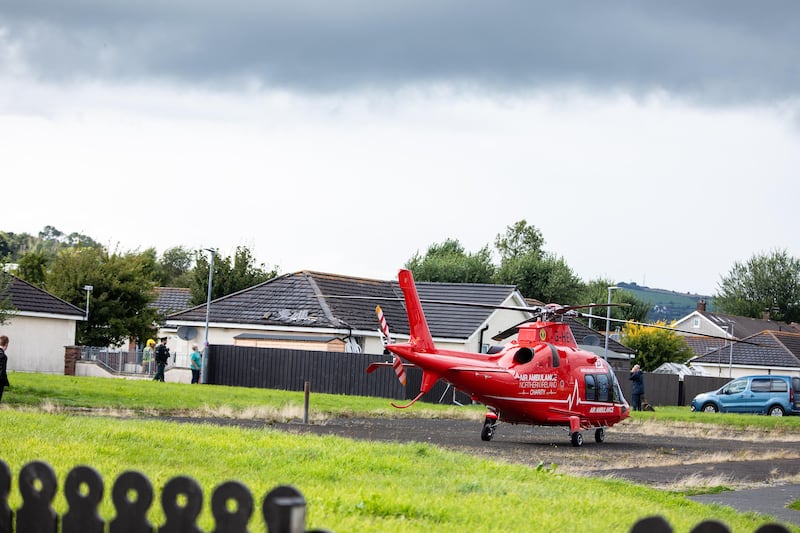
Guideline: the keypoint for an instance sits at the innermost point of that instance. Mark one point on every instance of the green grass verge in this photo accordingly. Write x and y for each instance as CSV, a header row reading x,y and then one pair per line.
x,y
149,397
730,420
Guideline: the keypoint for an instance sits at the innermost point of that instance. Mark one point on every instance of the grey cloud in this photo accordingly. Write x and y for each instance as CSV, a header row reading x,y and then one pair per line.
x,y
723,51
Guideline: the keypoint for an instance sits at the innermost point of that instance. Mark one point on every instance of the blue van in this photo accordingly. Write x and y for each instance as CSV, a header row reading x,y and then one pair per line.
x,y
771,394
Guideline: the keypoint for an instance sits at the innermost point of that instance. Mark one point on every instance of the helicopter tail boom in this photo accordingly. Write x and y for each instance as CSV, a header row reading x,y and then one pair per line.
x,y
421,339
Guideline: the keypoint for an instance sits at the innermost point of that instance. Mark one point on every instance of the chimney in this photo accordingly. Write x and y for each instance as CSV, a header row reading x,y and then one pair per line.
x,y
701,306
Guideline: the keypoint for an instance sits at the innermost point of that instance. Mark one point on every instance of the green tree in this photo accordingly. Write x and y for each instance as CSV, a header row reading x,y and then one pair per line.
x,y
15,245
449,262
230,274
32,267
5,246
51,240
766,282
122,289
545,277
175,267
6,307
655,346
519,239
536,273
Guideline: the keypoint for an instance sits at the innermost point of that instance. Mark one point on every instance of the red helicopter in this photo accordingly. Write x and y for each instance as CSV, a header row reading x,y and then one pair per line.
x,y
542,378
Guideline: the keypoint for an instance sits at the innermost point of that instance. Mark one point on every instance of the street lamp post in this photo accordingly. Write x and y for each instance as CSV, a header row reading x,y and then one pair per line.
x,y
730,358
204,365
88,289
608,320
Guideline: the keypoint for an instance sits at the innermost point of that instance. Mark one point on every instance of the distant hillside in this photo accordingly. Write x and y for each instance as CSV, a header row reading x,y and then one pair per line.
x,y
667,305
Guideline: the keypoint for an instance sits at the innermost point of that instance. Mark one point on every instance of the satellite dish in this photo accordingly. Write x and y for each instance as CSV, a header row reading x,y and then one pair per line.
x,y
588,340
187,332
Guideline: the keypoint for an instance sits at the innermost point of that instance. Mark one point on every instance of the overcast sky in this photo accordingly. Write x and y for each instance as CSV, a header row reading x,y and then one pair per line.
x,y
649,142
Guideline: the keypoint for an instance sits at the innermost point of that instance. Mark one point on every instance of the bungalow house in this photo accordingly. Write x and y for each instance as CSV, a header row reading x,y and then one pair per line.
x,y
39,328
317,311
771,347
701,322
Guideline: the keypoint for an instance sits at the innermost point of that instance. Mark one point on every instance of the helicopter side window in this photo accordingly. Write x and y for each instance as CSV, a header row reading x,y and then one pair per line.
x,y
602,388
591,389
616,392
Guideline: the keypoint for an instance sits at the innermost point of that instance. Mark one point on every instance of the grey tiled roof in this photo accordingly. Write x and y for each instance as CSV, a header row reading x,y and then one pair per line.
x,y
304,299
745,326
28,298
171,299
456,321
770,348
702,345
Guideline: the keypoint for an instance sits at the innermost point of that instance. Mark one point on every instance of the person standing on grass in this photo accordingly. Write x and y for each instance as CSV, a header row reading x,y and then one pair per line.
x,y
147,353
3,363
195,364
162,356
637,387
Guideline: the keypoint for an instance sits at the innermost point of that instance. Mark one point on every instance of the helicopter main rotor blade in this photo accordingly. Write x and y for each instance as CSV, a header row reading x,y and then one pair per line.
x,y
522,308
513,330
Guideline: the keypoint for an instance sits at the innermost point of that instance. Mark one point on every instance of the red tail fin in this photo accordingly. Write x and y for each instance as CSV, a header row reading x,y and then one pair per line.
x,y
421,338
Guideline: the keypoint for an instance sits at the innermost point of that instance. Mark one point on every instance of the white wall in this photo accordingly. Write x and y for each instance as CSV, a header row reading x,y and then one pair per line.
x,y
36,344
738,371
225,336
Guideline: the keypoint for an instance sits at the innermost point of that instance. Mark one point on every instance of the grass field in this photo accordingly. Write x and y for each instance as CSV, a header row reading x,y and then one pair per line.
x,y
349,485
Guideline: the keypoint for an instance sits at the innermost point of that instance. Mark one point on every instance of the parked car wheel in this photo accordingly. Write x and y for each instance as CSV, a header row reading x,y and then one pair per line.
x,y
775,410
710,408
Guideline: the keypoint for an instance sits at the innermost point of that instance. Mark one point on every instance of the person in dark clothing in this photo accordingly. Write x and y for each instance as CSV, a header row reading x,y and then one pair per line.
x,y
162,356
3,364
637,387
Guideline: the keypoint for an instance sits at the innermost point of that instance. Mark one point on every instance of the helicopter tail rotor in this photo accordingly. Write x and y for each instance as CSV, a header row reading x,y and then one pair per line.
x,y
397,364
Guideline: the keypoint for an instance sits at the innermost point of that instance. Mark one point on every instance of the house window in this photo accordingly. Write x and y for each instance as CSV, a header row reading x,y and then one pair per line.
x,y
696,323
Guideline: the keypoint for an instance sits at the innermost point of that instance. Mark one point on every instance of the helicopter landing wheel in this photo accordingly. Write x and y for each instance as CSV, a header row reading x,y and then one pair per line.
x,y
488,431
577,439
599,435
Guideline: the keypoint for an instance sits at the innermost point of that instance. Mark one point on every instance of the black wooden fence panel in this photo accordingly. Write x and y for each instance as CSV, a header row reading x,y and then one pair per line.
x,y
328,372
279,368
661,389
